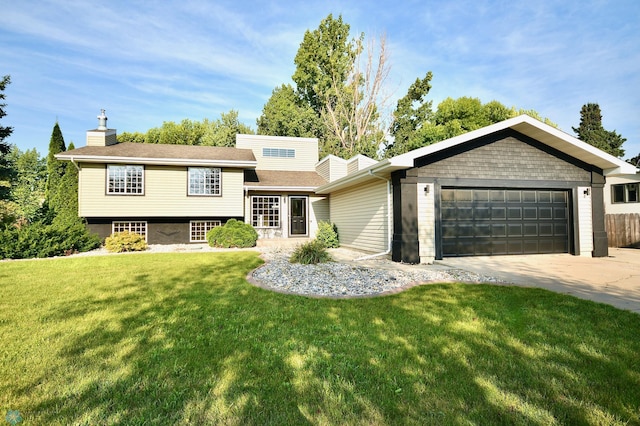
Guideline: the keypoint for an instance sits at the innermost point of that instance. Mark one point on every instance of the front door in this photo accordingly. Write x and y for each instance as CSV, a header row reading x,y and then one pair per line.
x,y
298,215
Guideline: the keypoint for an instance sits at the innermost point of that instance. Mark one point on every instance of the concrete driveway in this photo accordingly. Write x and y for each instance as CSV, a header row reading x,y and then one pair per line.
x,y
614,280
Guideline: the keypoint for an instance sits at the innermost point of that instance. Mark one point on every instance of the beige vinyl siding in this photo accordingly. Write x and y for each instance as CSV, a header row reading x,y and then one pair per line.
x,y
361,215
324,169
585,222
332,168
165,194
318,211
306,152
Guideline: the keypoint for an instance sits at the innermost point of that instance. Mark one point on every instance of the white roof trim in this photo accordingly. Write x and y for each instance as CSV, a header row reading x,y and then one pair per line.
x,y
156,161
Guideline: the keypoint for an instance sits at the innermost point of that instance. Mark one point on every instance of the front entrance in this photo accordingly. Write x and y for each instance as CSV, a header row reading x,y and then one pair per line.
x,y
298,216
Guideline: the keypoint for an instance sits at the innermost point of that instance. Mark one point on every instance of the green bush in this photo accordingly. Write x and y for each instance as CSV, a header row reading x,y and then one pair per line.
x,y
125,241
233,234
327,234
312,252
39,239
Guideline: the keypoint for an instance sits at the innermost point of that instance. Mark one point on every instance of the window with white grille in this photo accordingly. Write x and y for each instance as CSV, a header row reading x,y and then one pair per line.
x,y
125,180
204,181
139,228
265,211
199,229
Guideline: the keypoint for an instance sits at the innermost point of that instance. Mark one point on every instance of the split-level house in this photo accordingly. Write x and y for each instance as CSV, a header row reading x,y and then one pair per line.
x,y
515,187
177,193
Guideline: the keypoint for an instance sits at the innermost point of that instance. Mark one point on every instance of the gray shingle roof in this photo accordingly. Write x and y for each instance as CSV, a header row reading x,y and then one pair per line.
x,y
282,179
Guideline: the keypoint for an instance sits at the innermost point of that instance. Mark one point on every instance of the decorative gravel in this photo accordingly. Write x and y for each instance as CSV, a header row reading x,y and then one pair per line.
x,y
334,279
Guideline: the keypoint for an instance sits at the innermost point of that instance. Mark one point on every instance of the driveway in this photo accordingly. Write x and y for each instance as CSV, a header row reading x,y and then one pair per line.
x,y
614,280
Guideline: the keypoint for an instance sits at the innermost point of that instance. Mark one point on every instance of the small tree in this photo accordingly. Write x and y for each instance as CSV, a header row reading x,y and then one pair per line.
x,y
55,170
6,171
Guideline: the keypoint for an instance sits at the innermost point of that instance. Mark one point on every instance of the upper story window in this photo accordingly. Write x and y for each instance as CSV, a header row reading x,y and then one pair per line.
x,y
625,193
279,152
125,179
204,181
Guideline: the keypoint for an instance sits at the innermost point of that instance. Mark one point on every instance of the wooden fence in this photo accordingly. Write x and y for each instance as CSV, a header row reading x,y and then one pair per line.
x,y
623,230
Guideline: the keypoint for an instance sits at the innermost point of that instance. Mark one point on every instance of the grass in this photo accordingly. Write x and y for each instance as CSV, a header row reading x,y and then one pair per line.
x,y
183,338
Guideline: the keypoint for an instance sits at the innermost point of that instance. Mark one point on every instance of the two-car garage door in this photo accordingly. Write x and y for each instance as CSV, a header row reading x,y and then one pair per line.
x,y
504,221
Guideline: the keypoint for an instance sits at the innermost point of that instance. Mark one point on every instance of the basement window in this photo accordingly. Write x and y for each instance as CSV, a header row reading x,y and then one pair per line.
x,y
199,229
625,193
139,228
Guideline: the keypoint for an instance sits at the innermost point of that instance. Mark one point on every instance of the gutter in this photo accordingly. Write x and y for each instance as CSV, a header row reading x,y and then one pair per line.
x,y
389,220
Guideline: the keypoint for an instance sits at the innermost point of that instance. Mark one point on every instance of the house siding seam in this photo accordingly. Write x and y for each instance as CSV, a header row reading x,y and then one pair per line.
x,y
585,224
504,159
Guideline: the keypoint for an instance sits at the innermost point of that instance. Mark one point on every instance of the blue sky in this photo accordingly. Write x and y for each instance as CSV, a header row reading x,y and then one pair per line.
x,y
147,62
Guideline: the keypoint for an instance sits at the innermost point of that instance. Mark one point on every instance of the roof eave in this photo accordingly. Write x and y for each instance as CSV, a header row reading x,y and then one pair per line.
x,y
158,161
280,188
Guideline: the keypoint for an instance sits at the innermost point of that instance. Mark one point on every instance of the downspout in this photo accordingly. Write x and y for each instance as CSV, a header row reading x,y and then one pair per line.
x,y
76,165
389,220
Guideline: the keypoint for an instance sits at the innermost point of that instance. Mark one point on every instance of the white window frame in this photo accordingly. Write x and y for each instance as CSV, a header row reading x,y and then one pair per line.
x,y
204,181
125,179
137,226
198,229
266,205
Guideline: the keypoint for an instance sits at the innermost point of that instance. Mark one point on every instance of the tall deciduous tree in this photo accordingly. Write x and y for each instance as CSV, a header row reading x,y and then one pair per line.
x,y
285,114
591,131
412,112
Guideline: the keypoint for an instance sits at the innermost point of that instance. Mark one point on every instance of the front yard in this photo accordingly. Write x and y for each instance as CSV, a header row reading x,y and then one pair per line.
x,y
183,338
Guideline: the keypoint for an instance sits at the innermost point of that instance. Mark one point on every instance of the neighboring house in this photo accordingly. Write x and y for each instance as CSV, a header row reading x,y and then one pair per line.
x,y
176,193
515,187
622,208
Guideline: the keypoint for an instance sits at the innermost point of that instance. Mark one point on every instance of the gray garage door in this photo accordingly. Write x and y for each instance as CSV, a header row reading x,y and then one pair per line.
x,y
478,222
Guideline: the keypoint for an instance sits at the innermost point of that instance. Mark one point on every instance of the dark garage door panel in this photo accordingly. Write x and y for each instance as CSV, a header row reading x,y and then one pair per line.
x,y
479,222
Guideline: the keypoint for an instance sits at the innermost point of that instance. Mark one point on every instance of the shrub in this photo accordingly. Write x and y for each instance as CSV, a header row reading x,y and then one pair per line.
x,y
327,234
233,234
40,239
125,241
310,253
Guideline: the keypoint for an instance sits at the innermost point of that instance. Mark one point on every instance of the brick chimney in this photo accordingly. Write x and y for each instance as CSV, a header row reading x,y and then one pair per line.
x,y
101,136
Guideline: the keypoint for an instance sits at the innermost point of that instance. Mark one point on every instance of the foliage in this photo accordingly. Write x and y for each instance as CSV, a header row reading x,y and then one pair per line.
x,y
327,234
39,239
220,132
182,338
285,114
55,170
412,112
234,233
635,160
453,117
334,99
27,190
6,172
310,253
67,211
591,131
125,241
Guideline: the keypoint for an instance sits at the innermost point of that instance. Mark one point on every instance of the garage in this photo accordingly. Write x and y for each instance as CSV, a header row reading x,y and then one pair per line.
x,y
498,221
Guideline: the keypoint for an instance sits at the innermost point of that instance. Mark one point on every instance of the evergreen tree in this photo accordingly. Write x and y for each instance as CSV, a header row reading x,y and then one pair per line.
x,y
6,171
591,131
55,170
67,195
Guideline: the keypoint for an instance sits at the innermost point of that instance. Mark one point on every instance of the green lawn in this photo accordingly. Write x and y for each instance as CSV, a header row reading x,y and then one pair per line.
x,y
183,338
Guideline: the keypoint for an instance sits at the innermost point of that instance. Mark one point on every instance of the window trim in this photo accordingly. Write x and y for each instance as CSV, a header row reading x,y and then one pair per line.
x,y
191,230
127,167
217,193
260,223
129,224
625,192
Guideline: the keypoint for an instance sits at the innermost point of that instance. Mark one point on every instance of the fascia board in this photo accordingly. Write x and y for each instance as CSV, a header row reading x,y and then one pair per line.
x,y
158,161
281,188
